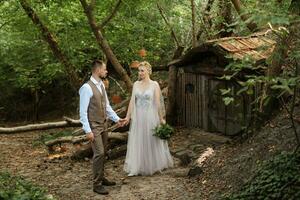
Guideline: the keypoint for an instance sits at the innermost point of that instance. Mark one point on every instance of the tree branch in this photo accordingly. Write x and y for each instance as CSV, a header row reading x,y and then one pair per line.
x,y
5,23
113,13
194,35
207,9
237,5
92,4
104,45
168,24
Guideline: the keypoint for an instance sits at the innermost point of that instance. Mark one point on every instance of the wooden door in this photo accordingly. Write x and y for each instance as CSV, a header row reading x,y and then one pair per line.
x,y
191,100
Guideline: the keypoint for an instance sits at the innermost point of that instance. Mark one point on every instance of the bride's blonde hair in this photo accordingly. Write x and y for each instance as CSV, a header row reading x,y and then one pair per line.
x,y
147,66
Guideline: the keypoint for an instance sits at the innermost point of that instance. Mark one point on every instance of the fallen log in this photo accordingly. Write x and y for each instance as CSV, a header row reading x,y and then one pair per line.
x,y
86,152
117,152
68,122
109,129
83,138
43,126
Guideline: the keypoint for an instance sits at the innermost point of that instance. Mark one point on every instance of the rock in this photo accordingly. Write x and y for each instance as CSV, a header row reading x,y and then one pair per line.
x,y
185,157
197,148
194,171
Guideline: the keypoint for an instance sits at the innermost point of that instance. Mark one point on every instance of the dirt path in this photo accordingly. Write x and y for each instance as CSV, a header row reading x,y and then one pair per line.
x,y
225,172
67,179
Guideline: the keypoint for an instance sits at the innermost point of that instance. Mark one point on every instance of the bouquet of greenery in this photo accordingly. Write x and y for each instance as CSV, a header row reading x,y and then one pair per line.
x,y
163,131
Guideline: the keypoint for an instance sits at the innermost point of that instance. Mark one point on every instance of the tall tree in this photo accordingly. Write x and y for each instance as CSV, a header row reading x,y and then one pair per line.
x,y
113,13
206,22
53,44
295,7
103,43
238,7
194,33
179,48
224,10
206,15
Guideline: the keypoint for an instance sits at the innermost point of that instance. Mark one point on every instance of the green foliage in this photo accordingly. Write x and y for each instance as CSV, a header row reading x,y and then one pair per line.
x,y
17,188
135,26
287,80
278,178
27,64
163,131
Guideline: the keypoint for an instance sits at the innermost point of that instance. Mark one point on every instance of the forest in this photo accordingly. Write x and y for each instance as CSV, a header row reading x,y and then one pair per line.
x,y
228,70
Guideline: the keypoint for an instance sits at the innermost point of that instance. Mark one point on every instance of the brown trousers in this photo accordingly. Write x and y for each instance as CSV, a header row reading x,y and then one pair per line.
x,y
99,146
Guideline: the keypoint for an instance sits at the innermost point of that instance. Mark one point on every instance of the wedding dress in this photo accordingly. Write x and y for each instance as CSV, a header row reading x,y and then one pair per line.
x,y
146,154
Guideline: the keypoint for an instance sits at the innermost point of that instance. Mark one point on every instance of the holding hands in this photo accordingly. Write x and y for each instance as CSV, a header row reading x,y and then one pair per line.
x,y
123,122
90,136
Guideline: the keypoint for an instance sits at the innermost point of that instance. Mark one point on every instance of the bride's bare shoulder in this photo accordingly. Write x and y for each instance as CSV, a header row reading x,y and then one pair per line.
x,y
136,83
155,83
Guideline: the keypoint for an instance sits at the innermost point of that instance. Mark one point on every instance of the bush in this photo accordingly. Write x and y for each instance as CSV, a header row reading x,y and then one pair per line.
x,y
15,188
278,178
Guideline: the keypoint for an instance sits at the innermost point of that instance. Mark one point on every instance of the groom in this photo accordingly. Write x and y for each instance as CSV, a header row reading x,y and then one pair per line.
x,y
94,109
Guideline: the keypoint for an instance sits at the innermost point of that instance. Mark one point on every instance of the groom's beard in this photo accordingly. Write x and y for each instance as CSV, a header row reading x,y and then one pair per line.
x,y
103,77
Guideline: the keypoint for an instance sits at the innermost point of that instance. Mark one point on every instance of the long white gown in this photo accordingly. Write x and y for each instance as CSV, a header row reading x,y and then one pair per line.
x,y
146,154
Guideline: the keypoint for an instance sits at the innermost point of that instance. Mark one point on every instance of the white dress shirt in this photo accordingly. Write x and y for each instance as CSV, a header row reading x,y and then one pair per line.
x,y
86,93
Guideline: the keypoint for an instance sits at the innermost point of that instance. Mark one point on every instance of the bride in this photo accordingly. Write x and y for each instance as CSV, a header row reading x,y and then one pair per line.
x,y
146,154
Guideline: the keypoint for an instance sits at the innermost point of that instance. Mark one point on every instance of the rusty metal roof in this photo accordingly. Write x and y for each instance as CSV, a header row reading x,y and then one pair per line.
x,y
257,46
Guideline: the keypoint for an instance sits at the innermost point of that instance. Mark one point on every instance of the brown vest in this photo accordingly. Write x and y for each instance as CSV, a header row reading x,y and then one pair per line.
x,y
97,105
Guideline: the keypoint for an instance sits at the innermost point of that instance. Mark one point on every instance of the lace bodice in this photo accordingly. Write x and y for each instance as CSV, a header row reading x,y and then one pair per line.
x,y
144,98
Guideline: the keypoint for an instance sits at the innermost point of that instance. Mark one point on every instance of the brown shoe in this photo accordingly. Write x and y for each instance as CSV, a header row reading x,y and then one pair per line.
x,y
107,182
100,190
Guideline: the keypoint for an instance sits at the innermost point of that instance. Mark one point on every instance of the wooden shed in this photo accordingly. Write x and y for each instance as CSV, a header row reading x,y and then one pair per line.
x,y
194,97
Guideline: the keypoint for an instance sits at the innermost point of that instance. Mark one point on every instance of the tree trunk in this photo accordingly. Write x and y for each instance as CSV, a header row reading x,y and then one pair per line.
x,y
194,33
83,138
225,12
53,44
34,127
178,52
237,5
103,43
278,56
87,152
113,13
206,22
171,105
206,15
161,11
35,104
179,48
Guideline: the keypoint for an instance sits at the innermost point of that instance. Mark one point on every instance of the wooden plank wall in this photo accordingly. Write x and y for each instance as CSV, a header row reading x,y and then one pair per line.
x,y
192,108
179,99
